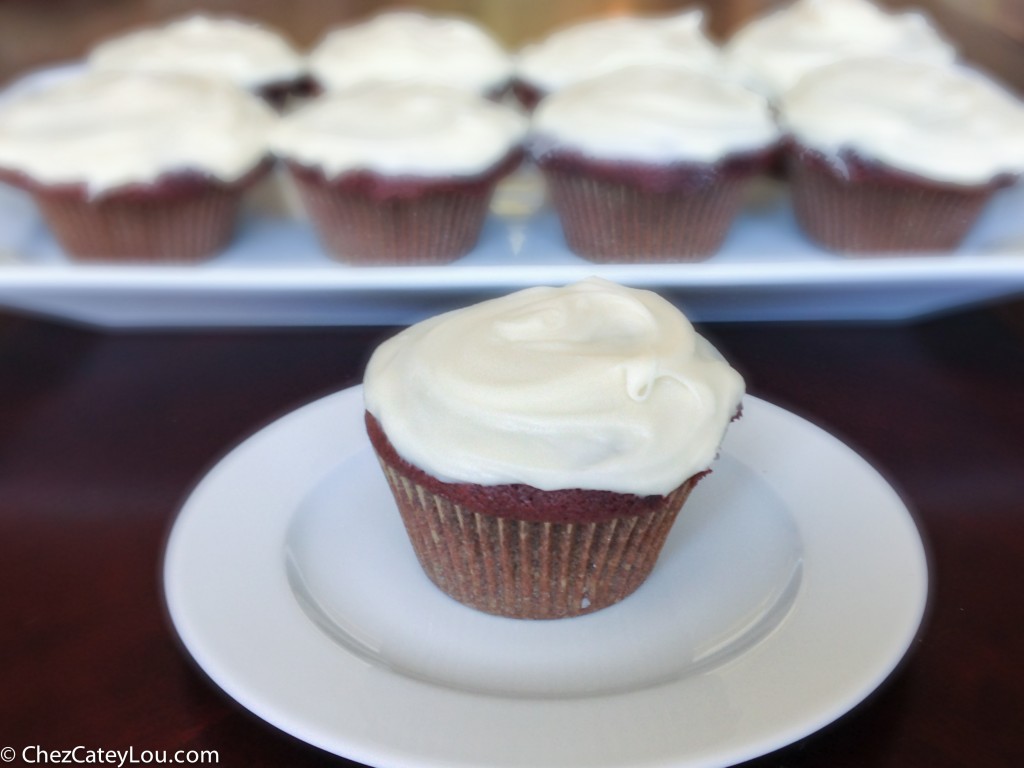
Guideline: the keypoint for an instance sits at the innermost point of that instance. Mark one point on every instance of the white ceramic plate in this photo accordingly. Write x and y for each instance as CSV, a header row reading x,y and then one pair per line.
x,y
791,586
275,272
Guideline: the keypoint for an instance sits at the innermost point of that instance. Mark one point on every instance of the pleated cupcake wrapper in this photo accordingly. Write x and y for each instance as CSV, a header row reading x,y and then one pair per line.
x,y
530,570
610,222
142,228
433,228
875,217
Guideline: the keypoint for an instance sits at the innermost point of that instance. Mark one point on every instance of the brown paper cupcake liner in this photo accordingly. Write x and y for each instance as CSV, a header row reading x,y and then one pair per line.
x,y
434,229
871,210
178,219
364,219
530,569
631,214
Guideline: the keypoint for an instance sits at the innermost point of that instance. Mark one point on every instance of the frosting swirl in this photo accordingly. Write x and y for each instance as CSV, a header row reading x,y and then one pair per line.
x,y
110,129
240,52
591,386
600,46
654,114
946,123
773,52
400,129
405,46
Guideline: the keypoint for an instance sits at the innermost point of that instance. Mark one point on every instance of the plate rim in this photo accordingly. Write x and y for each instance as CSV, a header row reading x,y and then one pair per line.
x,y
184,606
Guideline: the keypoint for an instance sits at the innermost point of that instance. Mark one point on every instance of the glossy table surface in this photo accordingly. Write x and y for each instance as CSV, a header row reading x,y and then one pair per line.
x,y
103,435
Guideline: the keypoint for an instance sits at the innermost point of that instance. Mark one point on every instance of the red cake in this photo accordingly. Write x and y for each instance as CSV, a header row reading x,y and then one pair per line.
x,y
179,218
521,552
365,218
868,208
628,212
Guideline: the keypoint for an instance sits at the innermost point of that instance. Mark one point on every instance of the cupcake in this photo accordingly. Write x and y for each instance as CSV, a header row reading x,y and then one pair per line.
x,y
240,52
399,173
771,53
539,446
887,155
136,167
650,163
410,47
600,46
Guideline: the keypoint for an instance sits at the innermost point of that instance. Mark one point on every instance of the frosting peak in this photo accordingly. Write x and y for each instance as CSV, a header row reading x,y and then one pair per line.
x,y
407,46
400,129
241,52
592,386
947,123
773,52
110,129
605,45
654,114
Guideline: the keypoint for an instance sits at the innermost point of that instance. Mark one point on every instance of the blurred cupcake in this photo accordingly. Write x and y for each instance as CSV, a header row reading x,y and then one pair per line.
x,y
771,53
597,47
650,163
539,446
888,155
136,167
409,47
399,174
240,52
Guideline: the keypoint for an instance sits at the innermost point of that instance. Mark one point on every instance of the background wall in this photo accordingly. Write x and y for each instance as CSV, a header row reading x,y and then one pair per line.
x,y
34,33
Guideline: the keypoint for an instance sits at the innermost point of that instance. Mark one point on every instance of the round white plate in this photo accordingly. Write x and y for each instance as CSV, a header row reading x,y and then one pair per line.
x,y
792,584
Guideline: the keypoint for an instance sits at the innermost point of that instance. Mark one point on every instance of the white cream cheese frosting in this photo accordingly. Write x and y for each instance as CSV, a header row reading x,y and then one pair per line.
x,y
108,129
773,52
400,129
946,123
407,46
592,386
238,51
600,46
654,114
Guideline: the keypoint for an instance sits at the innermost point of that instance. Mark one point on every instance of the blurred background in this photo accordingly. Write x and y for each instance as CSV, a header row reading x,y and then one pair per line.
x,y
35,33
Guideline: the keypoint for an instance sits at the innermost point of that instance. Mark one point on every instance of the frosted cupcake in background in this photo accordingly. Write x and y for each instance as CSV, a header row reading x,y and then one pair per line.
x,y
399,174
540,445
888,155
772,53
136,167
411,47
243,53
650,163
598,47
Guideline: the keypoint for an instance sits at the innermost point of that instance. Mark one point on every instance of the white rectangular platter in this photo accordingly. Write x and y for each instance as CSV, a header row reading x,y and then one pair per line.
x,y
276,273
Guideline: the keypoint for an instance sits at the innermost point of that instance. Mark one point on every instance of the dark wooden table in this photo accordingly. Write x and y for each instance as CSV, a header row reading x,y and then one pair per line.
x,y
102,436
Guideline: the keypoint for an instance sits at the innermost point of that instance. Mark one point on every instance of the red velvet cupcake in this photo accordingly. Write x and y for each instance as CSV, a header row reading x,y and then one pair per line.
x,y
650,163
142,168
888,156
540,446
399,174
